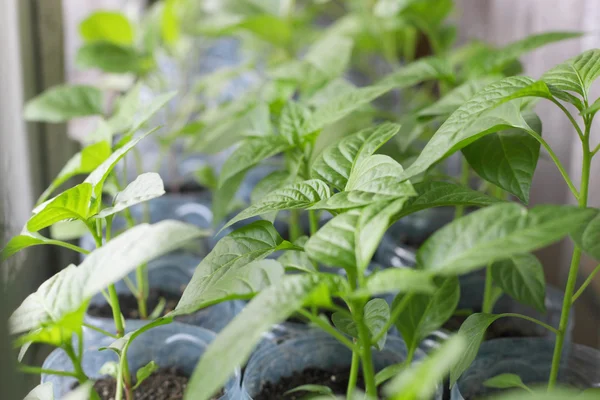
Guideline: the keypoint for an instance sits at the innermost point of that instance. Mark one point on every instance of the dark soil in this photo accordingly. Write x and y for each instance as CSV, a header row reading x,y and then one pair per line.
x,y
164,384
129,304
336,380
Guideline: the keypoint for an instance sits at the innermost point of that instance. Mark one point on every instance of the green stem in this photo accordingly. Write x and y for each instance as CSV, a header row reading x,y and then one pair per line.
x,y
142,295
487,293
530,319
364,338
294,228
574,268
464,180
68,246
353,375
79,374
116,309
327,328
585,284
27,369
410,355
99,330
314,221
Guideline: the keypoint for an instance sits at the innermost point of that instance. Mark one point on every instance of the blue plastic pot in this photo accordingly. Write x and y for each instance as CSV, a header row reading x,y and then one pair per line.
x,y
170,274
314,349
531,359
174,345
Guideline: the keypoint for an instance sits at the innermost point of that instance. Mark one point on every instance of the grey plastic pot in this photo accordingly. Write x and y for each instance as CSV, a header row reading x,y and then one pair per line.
x,y
174,345
531,359
171,274
314,349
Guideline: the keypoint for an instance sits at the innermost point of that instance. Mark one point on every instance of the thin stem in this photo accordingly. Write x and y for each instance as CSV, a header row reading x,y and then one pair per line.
x,y
353,375
400,306
99,330
314,221
68,246
586,283
327,328
574,268
79,374
294,228
596,150
487,294
535,321
116,309
568,114
464,180
364,338
142,290
28,369
410,355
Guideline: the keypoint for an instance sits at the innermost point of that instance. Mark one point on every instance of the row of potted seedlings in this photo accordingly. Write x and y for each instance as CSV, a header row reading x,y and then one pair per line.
x,y
360,268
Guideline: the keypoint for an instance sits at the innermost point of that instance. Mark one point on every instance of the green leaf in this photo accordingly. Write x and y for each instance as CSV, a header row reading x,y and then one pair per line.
x,y
291,121
144,373
274,181
132,118
394,280
337,161
222,273
377,314
473,330
107,26
505,381
421,380
345,324
235,343
81,392
522,278
330,55
495,233
63,296
318,389
170,25
424,69
587,235
73,203
112,58
145,187
269,28
334,243
478,117
43,391
63,103
22,241
575,75
444,194
508,158
292,197
297,259
110,368
593,109
555,394
424,313
83,162
125,109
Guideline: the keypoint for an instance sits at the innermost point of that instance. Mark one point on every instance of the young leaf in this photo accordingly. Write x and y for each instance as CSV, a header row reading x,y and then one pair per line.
x,y
110,368
222,275
421,380
345,324
424,69
522,278
292,197
297,259
337,161
495,233
144,373
145,187
318,389
112,58
274,181
235,343
377,314
394,280
469,123
71,204
292,118
23,240
443,194
63,103
473,330
587,235
508,158
424,313
506,381
130,119
107,26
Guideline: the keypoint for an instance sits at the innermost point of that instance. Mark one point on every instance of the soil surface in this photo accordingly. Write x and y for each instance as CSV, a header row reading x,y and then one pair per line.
x,y
164,384
336,380
129,304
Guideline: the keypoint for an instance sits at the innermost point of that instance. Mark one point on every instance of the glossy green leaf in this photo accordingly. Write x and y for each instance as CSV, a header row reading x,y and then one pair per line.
x,y
377,314
424,313
593,109
235,343
292,197
107,26
505,381
63,103
291,121
495,233
274,181
83,162
112,58
337,161
397,280
145,187
473,330
522,278
345,324
222,274
421,380
23,240
476,118
444,194
508,158
144,373
587,235
73,203
334,243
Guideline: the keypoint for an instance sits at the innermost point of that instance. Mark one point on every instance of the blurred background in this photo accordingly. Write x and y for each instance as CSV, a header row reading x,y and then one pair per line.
x,y
38,43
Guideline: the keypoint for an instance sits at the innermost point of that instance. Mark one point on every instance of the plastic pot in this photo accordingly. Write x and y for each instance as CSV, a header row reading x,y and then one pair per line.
x,y
314,349
531,359
174,345
170,274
